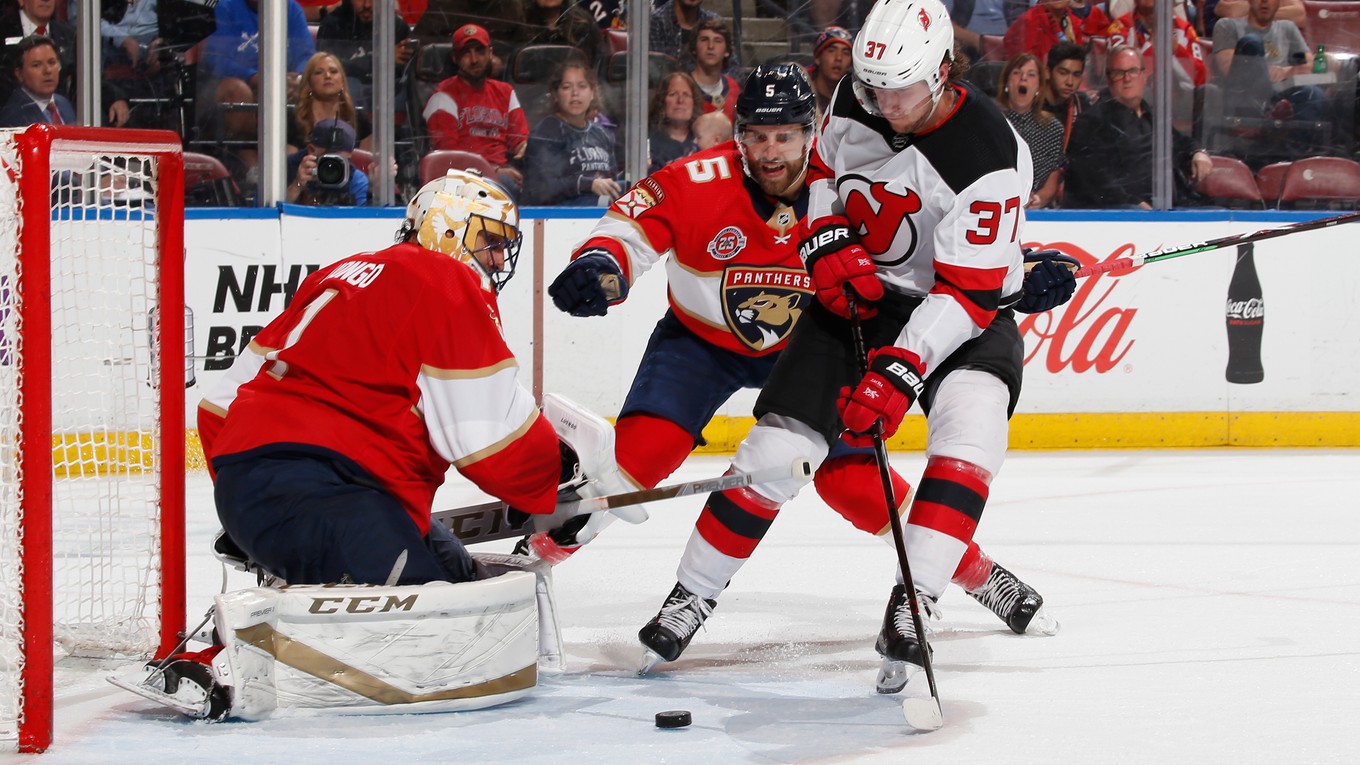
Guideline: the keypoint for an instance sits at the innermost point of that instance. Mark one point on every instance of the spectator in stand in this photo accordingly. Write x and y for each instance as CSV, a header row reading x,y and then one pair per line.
x,y
37,72
1063,96
1290,10
710,51
1135,28
502,19
571,159
671,113
1109,157
1256,55
674,23
1043,26
323,94
1020,96
131,65
347,32
608,14
329,138
972,20
830,62
30,17
231,63
712,129
1092,16
472,112
553,22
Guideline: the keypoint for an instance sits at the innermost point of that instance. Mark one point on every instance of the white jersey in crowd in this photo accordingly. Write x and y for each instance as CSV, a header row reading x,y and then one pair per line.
x,y
941,211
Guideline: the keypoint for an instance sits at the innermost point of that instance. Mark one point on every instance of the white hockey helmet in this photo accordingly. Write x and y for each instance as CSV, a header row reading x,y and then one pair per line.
x,y
451,215
902,42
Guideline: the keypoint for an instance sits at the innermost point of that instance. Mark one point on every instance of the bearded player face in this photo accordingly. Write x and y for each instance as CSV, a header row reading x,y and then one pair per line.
x,y
776,156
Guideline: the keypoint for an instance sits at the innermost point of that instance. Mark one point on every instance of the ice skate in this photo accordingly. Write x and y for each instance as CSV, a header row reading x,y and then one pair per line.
x,y
1020,606
669,632
897,641
184,683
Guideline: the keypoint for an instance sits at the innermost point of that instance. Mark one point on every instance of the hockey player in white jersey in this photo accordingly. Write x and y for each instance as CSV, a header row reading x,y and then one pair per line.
x,y
917,206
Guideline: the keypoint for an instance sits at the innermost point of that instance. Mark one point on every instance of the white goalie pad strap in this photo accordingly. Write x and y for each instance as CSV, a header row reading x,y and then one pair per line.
x,y
370,650
551,655
592,438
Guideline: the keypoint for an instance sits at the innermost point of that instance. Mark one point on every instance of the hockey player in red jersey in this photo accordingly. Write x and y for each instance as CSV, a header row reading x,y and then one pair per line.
x,y
737,288
338,422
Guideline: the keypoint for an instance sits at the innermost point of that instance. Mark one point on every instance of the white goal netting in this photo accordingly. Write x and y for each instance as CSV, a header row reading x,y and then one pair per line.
x,y
105,436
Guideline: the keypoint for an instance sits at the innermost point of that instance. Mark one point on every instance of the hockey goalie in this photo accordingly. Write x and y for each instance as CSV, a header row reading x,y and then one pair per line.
x,y
327,439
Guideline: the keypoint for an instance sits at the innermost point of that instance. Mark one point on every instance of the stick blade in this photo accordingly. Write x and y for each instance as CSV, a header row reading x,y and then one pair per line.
x,y
923,714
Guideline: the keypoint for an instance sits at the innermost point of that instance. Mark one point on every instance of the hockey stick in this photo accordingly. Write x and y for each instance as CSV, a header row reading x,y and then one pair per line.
x,y
486,522
921,714
1215,244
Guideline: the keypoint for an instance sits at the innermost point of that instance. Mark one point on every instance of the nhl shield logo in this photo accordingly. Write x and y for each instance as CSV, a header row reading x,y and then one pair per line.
x,y
761,305
727,244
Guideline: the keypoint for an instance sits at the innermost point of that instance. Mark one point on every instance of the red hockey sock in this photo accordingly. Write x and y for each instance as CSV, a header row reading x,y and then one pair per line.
x,y
650,448
734,521
973,569
951,498
852,487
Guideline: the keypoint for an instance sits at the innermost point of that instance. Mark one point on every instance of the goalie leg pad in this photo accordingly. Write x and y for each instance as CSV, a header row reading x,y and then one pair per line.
x,y
372,650
592,438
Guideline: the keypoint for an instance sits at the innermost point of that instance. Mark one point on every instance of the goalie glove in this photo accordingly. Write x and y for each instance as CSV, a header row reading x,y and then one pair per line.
x,y
894,381
1049,282
589,284
835,260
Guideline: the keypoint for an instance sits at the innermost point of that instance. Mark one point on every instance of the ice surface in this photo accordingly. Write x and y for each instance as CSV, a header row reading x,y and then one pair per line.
x,y
1210,603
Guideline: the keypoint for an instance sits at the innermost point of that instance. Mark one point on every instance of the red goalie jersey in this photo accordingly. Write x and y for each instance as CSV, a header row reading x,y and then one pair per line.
x,y
394,359
734,273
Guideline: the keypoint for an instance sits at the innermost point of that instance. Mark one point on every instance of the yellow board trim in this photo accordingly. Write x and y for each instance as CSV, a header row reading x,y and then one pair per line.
x,y
1122,430
100,454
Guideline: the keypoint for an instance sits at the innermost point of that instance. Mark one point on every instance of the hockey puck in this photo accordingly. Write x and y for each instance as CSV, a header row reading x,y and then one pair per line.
x,y
677,718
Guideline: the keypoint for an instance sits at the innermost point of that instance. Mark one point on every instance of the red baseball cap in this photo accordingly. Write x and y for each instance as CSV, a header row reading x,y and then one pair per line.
x,y
470,33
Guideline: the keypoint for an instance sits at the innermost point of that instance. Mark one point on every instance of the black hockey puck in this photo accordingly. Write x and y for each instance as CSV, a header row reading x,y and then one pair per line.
x,y
677,718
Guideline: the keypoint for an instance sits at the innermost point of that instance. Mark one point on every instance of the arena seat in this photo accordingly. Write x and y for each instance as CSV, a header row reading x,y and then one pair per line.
x,y
1333,23
1322,182
436,163
1270,179
1231,183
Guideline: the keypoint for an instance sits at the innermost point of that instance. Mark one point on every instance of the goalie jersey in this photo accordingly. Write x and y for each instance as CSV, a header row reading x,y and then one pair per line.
x,y
394,359
940,212
734,274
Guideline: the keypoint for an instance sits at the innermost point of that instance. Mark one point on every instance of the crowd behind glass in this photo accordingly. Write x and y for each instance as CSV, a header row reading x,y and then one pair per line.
x,y
536,93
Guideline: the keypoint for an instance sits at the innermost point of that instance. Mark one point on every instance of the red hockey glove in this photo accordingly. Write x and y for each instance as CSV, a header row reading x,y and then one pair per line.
x,y
834,258
893,382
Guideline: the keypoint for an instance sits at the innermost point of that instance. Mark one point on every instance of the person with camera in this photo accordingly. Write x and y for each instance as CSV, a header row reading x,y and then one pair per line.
x,y
323,173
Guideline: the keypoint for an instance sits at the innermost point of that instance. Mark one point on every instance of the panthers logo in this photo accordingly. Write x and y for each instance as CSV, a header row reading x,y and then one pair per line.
x,y
763,304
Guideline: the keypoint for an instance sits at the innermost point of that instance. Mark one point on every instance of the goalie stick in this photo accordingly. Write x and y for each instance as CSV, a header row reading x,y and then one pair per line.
x,y
1215,244
487,522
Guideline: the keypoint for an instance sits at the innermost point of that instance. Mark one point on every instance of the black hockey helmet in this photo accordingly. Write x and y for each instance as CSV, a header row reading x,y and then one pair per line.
x,y
778,94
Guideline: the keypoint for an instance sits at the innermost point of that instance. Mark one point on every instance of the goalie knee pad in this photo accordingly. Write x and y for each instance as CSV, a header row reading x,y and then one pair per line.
x,y
349,648
592,438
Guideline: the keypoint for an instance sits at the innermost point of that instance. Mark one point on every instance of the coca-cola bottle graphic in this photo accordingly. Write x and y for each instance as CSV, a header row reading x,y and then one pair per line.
x,y
1246,319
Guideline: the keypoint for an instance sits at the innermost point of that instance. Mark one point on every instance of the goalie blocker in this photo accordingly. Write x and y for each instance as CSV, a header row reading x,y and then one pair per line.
x,y
362,649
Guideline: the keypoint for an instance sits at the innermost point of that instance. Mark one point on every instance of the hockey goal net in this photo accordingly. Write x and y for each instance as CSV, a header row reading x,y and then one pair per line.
x,y
92,337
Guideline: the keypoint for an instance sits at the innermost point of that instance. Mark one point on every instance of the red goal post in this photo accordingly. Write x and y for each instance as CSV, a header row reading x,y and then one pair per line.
x,y
92,376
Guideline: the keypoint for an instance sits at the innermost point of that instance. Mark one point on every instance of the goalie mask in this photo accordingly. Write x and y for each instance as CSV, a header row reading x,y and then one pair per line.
x,y
897,56
470,218
776,112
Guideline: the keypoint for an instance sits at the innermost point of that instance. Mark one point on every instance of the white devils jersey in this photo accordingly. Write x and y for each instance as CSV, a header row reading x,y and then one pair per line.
x,y
941,212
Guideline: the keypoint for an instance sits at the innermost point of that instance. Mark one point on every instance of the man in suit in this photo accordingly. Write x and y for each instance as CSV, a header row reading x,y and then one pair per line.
x,y
38,17
38,72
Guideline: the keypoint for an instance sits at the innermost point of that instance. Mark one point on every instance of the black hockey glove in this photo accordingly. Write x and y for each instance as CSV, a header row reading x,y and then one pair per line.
x,y
1049,283
589,285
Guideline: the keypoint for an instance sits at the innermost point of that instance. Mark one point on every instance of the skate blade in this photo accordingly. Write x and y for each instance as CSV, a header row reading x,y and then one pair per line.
x,y
650,659
922,714
1043,624
893,676
191,700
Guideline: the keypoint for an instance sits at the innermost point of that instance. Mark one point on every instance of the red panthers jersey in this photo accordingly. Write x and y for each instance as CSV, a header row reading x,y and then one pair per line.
x,y
735,277
394,359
